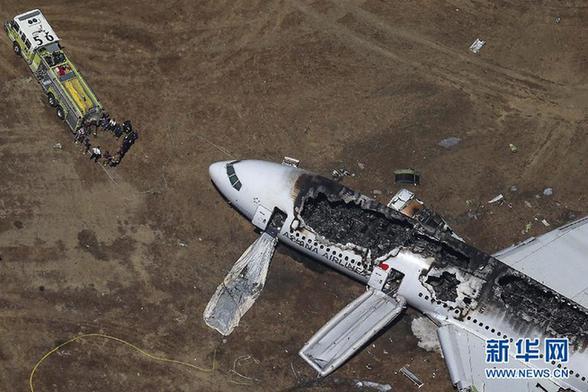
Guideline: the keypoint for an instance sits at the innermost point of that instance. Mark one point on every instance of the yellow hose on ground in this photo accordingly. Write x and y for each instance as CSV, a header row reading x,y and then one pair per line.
x,y
131,345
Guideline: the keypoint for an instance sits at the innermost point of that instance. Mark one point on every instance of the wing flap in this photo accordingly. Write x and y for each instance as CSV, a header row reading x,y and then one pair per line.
x,y
350,329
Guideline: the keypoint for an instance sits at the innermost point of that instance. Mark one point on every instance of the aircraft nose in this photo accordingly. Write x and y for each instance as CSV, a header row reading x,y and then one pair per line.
x,y
216,171
247,184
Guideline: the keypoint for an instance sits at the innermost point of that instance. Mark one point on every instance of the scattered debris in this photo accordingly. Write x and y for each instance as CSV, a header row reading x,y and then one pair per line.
x,y
426,332
340,173
57,146
513,148
288,161
496,199
407,176
373,385
411,376
361,165
528,227
514,188
477,45
548,191
545,223
182,244
449,142
528,204
557,20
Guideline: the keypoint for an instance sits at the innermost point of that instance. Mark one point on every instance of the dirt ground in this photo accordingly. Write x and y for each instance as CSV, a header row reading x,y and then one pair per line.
x,y
136,252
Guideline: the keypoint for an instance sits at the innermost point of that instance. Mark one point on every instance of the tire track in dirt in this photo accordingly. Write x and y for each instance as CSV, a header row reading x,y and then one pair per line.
x,y
521,78
514,86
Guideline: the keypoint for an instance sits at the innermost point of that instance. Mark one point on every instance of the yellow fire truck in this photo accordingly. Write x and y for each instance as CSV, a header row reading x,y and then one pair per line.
x,y
35,41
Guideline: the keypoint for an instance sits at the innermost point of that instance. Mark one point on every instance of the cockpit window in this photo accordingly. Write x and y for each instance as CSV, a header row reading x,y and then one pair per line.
x,y
235,183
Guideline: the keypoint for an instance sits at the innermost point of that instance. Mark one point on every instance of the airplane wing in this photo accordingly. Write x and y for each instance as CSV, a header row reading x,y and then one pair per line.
x,y
464,354
350,330
558,259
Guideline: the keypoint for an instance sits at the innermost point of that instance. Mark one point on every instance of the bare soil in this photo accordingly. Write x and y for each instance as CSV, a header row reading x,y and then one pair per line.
x,y
136,252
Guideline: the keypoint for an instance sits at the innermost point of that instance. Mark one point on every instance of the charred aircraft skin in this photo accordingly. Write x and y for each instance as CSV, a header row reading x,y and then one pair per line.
x,y
345,217
448,280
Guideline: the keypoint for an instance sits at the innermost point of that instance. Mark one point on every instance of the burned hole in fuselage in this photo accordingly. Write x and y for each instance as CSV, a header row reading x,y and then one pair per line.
x,y
350,223
445,286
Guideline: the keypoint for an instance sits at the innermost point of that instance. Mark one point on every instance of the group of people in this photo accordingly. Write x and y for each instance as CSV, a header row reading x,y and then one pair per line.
x,y
107,124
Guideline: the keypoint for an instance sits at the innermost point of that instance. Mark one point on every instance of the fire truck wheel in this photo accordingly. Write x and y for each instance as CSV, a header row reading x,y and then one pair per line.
x,y
16,48
60,113
51,99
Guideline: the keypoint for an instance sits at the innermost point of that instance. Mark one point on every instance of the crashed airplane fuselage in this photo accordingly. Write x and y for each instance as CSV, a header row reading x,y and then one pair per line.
x,y
466,292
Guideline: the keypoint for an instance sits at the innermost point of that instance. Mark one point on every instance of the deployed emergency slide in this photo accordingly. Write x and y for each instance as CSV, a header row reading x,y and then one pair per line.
x,y
351,329
241,287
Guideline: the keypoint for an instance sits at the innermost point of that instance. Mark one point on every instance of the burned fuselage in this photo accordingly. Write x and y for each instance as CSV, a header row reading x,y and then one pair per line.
x,y
458,277
472,296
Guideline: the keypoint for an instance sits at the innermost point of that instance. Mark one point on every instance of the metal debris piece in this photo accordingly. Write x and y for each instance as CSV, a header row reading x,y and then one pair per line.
x,y
477,45
513,148
528,227
377,192
373,385
182,244
340,173
557,20
411,376
528,204
449,142
361,165
545,223
496,199
288,161
407,176
401,199
548,191
57,146
514,188
473,215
